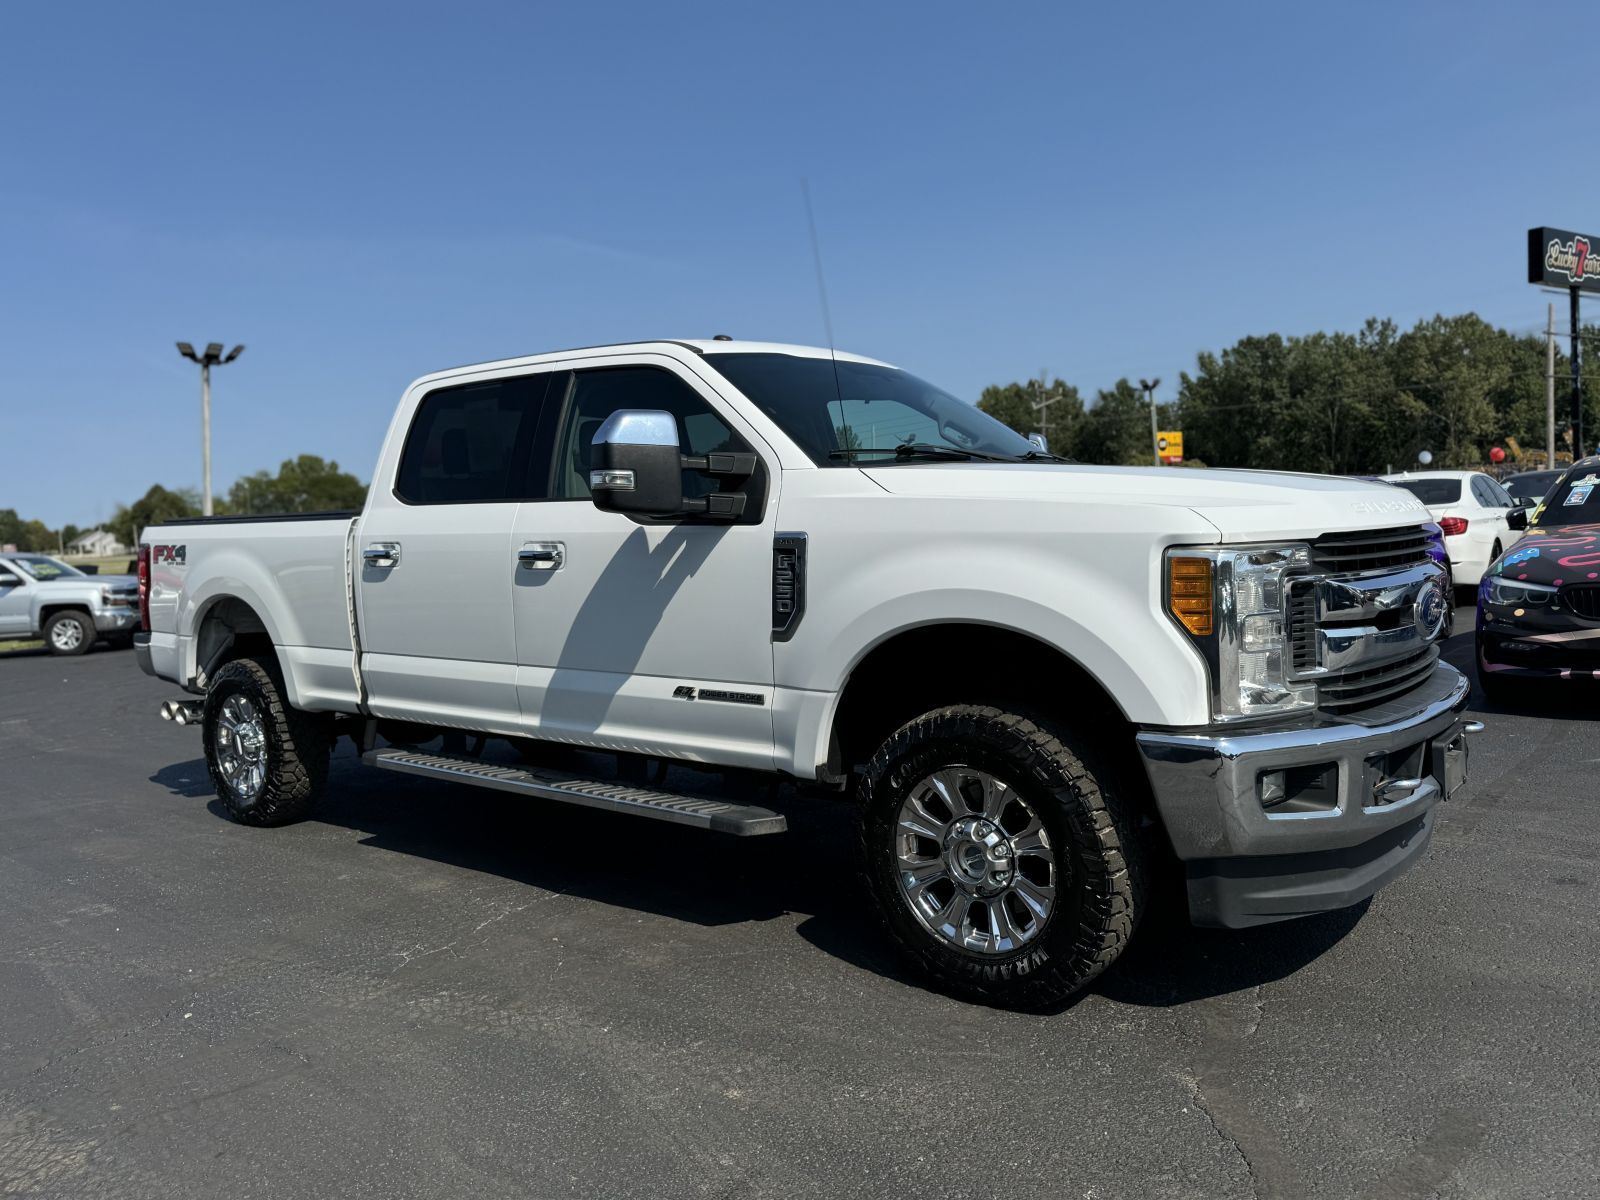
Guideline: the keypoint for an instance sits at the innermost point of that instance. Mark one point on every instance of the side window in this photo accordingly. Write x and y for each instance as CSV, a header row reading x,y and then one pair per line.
x,y
599,393
1480,492
470,444
1502,498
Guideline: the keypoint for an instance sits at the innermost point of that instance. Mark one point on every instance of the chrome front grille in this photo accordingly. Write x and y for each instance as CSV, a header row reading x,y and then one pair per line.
x,y
1351,627
1357,689
1369,550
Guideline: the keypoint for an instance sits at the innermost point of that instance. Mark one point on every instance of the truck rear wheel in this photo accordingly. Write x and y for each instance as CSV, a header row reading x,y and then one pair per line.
x,y
1003,866
268,761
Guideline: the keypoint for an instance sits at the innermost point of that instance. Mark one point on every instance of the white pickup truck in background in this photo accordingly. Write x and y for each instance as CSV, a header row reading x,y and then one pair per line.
x,y
1045,685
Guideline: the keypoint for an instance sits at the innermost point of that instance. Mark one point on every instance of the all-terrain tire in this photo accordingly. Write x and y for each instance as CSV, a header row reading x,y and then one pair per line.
x,y
297,746
59,632
1101,885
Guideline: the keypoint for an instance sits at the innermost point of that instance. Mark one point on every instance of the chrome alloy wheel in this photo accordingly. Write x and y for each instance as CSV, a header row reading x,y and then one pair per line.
x,y
241,747
66,635
974,861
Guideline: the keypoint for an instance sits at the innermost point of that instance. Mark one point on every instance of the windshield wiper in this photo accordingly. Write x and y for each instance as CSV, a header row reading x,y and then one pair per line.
x,y
922,450
1045,456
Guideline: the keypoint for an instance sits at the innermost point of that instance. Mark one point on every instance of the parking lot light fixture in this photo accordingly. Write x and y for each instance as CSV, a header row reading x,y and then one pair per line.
x,y
211,358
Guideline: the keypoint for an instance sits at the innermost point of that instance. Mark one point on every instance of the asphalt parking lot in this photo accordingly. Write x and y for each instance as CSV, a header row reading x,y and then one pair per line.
x,y
436,991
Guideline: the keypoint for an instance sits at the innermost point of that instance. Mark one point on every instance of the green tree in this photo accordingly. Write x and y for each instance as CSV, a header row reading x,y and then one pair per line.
x,y
303,484
69,533
1013,405
158,504
1116,429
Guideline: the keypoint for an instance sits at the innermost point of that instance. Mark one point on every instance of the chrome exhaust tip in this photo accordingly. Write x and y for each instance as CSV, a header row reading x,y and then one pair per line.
x,y
181,712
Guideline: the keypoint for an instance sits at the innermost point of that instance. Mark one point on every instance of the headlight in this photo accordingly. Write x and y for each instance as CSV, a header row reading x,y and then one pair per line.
x,y
1239,626
1496,590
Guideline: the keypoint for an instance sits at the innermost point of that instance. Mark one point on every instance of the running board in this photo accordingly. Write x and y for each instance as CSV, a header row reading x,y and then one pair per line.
x,y
699,811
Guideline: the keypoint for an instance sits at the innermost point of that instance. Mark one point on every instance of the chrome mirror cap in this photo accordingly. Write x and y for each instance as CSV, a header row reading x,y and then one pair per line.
x,y
638,427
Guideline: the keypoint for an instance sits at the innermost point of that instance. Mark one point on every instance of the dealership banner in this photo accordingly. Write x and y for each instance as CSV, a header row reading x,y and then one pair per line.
x,y
1563,259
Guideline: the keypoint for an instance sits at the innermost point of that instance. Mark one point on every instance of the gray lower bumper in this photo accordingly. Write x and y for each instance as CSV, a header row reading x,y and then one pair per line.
x,y
1246,864
141,653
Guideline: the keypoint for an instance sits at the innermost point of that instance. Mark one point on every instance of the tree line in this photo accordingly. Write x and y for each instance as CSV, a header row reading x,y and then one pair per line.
x,y
306,483
1341,403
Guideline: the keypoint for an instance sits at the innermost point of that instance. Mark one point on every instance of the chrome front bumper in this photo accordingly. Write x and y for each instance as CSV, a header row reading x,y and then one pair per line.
x,y
116,620
1246,864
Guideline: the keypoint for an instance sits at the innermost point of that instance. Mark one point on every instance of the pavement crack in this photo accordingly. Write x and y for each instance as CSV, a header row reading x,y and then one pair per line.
x,y
1198,1098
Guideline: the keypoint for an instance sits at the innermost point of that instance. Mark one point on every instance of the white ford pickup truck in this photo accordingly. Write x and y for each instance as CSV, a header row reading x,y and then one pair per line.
x,y
1046,686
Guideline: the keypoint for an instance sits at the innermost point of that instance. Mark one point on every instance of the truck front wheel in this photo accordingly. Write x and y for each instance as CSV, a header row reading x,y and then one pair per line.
x,y
1003,865
69,632
268,761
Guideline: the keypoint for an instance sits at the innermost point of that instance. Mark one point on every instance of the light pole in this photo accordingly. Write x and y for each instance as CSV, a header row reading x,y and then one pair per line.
x,y
1150,386
211,358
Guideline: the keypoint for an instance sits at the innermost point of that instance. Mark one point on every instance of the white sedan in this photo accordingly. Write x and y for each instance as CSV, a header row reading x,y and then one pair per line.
x,y
1478,517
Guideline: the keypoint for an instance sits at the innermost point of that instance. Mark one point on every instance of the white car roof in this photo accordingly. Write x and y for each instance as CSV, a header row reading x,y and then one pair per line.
x,y
705,347
1433,475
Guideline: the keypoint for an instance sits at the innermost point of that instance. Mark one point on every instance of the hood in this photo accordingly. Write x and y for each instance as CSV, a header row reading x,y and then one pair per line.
x,y
110,581
1566,554
1243,505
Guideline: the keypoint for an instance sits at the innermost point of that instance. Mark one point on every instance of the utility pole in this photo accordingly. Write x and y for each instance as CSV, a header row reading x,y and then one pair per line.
x,y
211,358
1577,384
1042,406
1150,386
1550,387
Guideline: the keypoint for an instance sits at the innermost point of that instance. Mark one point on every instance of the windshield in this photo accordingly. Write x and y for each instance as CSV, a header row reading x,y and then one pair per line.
x,y
1432,491
1574,501
1531,486
44,568
870,413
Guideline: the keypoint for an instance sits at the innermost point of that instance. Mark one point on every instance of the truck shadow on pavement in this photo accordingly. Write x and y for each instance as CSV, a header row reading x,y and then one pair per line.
x,y
682,874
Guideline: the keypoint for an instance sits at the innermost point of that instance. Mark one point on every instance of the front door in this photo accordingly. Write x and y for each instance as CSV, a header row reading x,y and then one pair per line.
x,y
436,559
13,601
646,636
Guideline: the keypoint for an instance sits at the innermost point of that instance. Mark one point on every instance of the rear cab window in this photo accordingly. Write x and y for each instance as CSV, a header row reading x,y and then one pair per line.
x,y
470,444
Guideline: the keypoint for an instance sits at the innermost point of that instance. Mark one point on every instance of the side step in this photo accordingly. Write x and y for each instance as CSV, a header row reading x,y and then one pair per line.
x,y
717,815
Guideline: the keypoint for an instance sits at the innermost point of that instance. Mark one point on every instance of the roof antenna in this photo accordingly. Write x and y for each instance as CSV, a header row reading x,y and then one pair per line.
x,y
822,291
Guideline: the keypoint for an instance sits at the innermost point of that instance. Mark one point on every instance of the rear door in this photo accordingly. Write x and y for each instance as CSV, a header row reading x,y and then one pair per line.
x,y
647,636
435,558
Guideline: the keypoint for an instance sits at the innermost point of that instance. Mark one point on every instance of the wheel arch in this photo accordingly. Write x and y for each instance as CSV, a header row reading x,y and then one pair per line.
x,y
909,671
227,627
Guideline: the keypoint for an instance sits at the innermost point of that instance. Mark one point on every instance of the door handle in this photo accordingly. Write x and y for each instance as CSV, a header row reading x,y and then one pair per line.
x,y
382,554
542,556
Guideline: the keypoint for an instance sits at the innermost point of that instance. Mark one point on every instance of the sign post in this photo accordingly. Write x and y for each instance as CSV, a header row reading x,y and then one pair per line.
x,y
1559,258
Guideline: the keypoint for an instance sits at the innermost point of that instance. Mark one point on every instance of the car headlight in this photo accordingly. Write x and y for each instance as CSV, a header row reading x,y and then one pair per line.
x,y
1231,602
1495,590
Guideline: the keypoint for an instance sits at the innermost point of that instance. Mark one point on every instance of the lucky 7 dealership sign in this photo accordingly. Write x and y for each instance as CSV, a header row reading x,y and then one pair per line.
x,y
1563,259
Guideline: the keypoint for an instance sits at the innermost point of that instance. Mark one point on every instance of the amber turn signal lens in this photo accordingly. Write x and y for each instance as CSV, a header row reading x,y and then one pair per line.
x,y
1189,593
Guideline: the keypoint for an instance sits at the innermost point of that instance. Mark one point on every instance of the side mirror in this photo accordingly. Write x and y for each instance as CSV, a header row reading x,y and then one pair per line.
x,y
636,467
1517,518
1040,441
7,579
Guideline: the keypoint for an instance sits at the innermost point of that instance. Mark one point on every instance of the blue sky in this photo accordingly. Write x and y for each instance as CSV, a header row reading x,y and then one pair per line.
x,y
364,193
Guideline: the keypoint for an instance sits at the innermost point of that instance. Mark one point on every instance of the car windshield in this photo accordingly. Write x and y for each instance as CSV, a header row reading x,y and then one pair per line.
x,y
869,414
1574,501
1432,491
1531,486
44,568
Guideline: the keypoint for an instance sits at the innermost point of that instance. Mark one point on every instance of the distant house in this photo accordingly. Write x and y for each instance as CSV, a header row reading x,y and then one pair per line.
x,y
97,543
